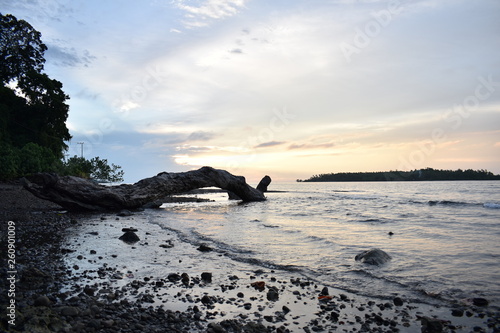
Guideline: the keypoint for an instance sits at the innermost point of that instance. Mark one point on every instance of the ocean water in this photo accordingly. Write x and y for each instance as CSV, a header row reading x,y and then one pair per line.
x,y
445,242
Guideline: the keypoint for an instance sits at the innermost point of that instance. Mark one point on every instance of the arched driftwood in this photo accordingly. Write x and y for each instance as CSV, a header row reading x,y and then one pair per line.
x,y
75,193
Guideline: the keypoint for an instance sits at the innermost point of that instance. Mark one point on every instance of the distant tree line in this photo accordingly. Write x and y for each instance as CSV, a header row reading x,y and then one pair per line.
x,y
33,110
414,175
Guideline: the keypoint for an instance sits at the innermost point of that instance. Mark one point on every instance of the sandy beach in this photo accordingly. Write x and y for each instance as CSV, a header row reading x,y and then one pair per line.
x,y
74,274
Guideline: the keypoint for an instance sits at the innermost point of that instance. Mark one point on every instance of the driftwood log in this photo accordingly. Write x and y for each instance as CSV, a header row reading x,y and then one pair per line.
x,y
75,193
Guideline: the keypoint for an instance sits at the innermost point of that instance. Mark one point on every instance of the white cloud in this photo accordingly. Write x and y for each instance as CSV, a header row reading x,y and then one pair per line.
x,y
202,13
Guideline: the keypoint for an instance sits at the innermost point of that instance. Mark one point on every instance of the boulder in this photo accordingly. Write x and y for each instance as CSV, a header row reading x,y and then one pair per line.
x,y
129,237
373,257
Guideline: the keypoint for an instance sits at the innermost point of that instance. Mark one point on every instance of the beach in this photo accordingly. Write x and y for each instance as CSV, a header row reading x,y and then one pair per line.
x,y
74,274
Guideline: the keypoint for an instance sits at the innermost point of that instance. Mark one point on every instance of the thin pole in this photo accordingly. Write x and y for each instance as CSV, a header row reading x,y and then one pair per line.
x,y
81,143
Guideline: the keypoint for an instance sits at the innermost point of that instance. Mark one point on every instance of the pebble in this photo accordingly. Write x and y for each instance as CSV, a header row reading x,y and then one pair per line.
x,y
206,277
69,311
272,294
204,248
478,301
398,301
43,301
124,213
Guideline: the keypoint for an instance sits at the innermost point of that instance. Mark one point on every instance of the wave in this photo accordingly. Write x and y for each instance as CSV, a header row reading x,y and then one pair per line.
x,y
372,221
447,203
220,245
265,263
491,205
356,197
270,226
451,203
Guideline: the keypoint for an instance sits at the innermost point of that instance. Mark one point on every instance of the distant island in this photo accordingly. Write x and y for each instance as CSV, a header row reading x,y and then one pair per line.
x,y
427,174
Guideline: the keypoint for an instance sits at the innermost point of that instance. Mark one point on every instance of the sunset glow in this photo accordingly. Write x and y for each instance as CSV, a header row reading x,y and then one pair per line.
x,y
288,89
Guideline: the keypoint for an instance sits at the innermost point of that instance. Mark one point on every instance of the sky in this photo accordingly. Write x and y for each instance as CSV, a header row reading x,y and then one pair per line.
x,y
288,89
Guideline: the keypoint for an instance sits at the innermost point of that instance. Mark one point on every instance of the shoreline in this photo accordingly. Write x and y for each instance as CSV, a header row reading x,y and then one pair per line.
x,y
100,295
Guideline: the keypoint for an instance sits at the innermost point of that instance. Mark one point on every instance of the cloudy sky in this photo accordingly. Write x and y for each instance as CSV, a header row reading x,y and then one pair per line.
x,y
286,88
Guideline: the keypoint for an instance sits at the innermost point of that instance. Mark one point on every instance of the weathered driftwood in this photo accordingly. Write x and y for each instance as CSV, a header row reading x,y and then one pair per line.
x,y
264,183
75,193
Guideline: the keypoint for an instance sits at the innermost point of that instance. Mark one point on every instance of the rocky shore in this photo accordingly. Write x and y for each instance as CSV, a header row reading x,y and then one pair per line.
x,y
77,286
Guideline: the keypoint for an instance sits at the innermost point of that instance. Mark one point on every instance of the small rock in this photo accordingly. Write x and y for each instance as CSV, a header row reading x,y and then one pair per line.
x,y
89,290
457,312
94,323
168,244
206,299
215,328
334,316
185,278
42,301
431,325
69,311
207,277
129,237
269,318
478,301
397,301
259,285
204,248
272,295
173,277
125,213
324,292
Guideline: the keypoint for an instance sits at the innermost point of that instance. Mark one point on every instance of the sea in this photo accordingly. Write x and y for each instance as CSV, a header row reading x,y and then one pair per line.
x,y
443,236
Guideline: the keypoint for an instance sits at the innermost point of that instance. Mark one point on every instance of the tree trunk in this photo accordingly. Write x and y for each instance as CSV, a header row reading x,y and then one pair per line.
x,y
75,193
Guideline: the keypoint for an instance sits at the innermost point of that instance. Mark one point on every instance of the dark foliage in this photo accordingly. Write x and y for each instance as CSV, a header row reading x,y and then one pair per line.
x,y
33,111
415,175
33,107
95,168
21,49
